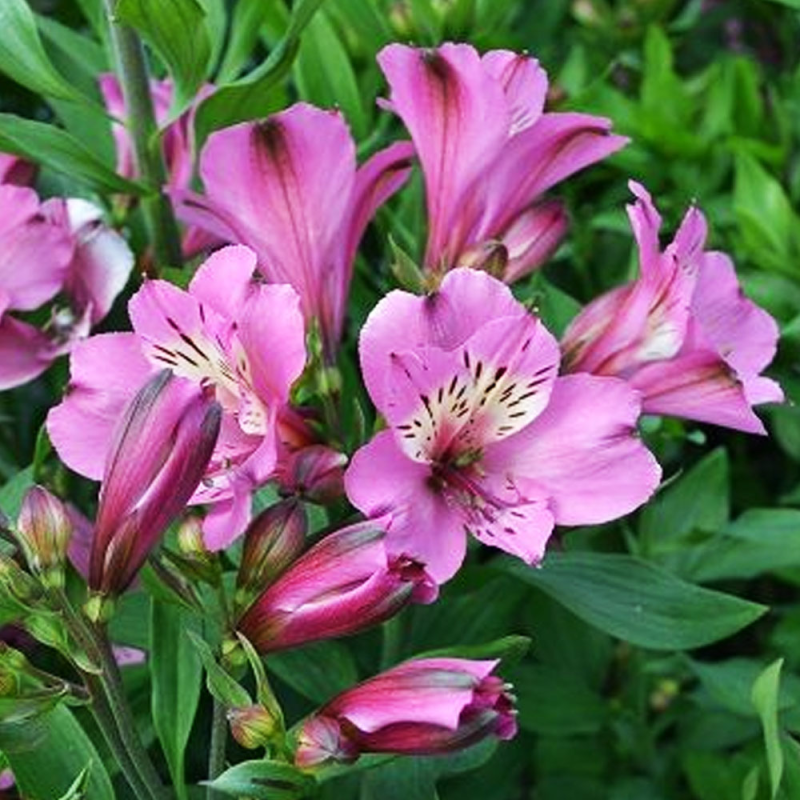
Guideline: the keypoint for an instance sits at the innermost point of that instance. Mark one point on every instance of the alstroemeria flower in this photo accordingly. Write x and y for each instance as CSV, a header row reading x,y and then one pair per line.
x,y
161,446
421,707
489,152
35,256
237,339
682,334
288,187
345,583
58,247
484,436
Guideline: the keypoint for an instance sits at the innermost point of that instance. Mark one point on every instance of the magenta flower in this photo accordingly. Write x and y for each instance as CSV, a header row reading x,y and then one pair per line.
x,y
682,334
58,247
484,437
241,341
489,152
342,585
423,707
288,187
162,445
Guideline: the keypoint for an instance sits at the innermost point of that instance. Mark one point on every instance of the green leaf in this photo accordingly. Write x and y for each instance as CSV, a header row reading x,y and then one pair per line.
x,y
508,649
765,698
50,768
176,671
77,791
264,780
252,97
760,540
23,57
221,685
767,224
698,500
325,75
53,147
178,33
317,671
248,17
795,4
13,492
637,601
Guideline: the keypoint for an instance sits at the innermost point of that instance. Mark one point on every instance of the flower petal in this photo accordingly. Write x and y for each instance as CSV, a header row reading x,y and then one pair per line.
x,y
224,279
524,83
105,372
459,119
25,352
583,452
382,479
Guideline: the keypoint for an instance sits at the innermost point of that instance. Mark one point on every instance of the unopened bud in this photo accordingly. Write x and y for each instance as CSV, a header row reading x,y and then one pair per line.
x,y
17,582
273,540
490,256
252,726
190,538
44,530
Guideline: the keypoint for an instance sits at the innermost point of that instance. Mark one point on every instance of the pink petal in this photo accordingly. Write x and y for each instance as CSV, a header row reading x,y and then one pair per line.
x,y
25,352
524,83
382,479
271,331
224,280
646,223
698,385
456,402
34,254
286,184
539,157
227,520
466,299
583,452
744,335
533,237
433,691
459,119
105,372
103,261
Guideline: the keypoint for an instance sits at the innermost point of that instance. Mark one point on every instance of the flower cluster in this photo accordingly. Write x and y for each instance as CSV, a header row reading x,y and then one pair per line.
x,y
488,425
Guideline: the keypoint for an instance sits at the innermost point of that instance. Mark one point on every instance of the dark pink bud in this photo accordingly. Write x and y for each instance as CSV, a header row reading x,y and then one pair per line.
x,y
315,472
423,707
163,444
44,530
342,585
273,540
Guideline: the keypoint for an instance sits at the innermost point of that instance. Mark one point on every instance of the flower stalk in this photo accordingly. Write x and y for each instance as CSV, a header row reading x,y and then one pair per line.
x,y
157,208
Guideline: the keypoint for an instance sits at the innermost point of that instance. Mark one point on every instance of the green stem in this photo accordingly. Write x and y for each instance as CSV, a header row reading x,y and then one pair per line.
x,y
143,130
112,683
216,753
104,716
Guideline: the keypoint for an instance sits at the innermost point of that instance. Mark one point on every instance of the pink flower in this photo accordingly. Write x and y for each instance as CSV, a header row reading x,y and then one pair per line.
x,y
682,334
484,436
60,246
162,445
288,187
423,707
241,341
343,584
489,152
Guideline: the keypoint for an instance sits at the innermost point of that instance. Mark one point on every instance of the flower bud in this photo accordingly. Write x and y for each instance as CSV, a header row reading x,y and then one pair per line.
x,y
252,726
190,538
44,530
423,707
315,473
342,585
273,540
490,256
163,444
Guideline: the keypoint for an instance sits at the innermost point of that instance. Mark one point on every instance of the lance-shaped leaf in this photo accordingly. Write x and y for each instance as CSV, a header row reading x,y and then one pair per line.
x,y
636,601
179,34
252,96
264,780
55,148
23,57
